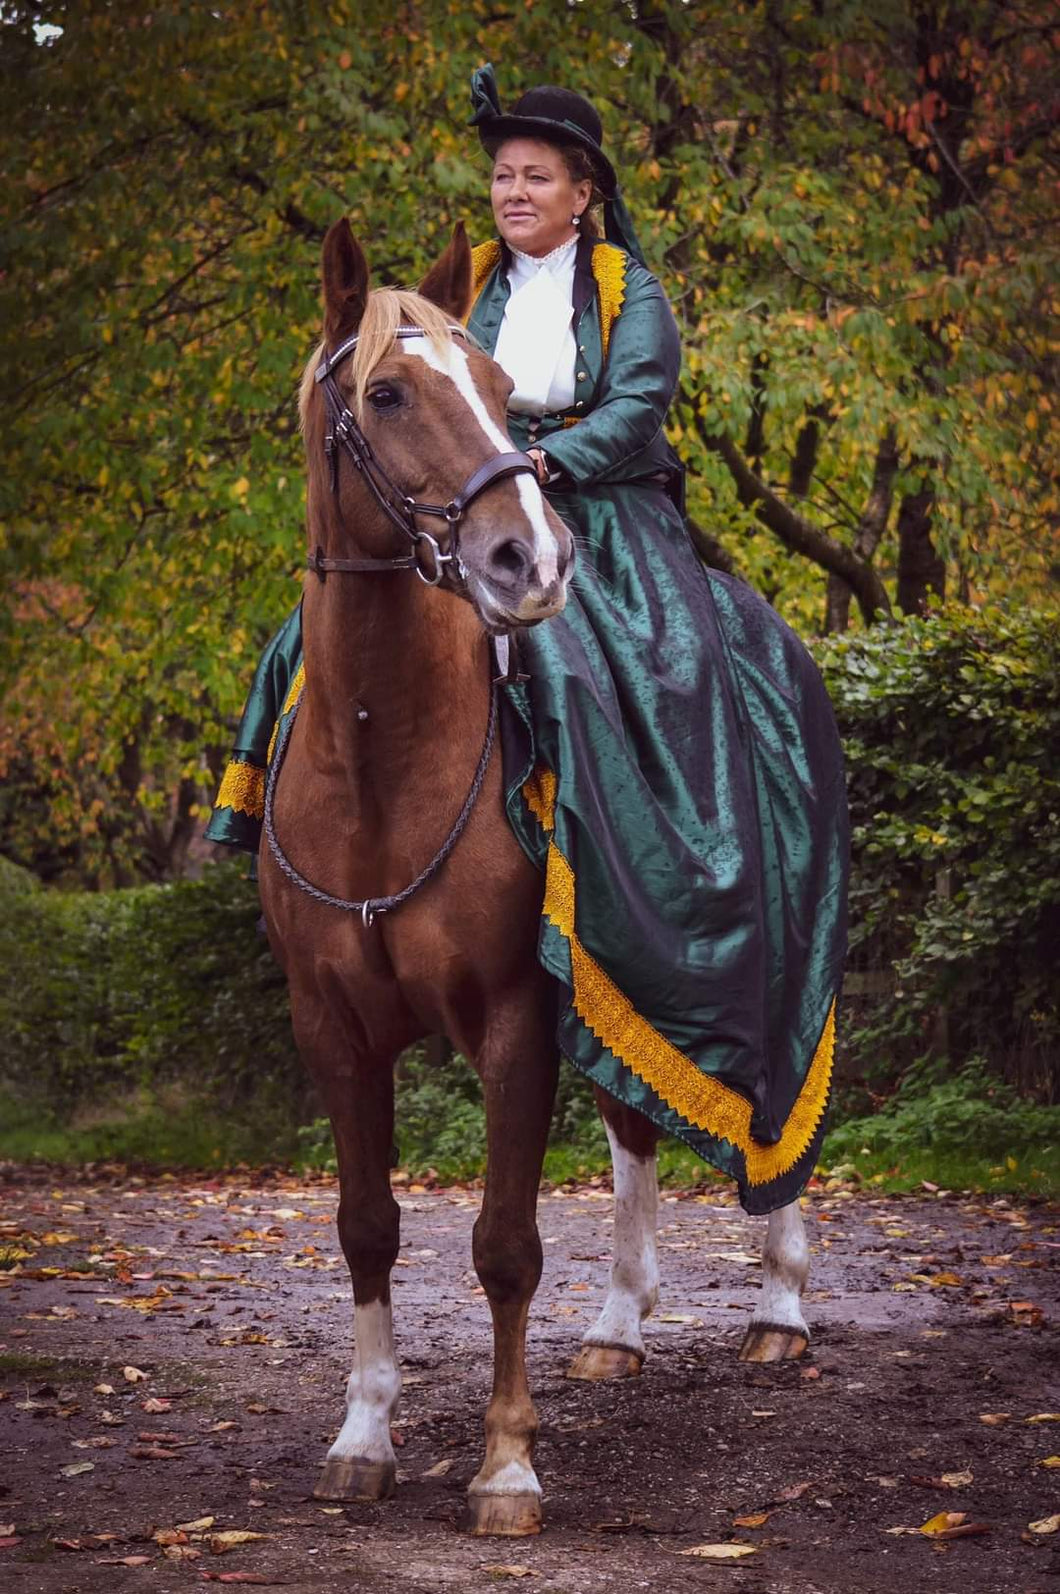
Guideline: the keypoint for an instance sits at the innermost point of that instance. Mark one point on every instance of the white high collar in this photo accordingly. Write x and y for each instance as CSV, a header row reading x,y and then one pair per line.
x,y
555,260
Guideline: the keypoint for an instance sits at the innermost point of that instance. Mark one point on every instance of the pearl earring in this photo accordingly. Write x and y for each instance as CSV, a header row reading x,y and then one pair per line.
x,y
575,219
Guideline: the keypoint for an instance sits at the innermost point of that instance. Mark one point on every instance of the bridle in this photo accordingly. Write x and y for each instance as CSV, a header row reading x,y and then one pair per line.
x,y
343,433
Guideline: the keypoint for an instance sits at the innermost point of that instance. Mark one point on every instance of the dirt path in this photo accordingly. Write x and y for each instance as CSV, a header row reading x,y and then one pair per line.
x,y
230,1299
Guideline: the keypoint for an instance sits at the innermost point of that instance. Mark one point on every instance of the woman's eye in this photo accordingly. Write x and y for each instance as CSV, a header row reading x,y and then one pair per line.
x,y
384,398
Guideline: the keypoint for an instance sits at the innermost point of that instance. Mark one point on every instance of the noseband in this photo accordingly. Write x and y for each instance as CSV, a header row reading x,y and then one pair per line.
x,y
344,434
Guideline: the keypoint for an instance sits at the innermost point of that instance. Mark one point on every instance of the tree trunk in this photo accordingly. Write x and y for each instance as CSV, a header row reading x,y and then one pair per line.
x,y
871,527
921,570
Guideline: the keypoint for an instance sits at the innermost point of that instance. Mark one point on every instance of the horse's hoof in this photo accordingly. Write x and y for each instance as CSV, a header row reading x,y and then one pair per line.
x,y
355,1479
508,1516
762,1343
594,1363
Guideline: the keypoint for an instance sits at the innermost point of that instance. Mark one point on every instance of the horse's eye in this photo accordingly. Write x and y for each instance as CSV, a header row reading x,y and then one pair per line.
x,y
384,398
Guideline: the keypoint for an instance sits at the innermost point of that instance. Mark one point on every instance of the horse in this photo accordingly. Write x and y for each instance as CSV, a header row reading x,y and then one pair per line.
x,y
394,893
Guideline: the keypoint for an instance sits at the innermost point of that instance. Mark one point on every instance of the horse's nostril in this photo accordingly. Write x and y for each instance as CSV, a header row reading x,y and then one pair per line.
x,y
511,560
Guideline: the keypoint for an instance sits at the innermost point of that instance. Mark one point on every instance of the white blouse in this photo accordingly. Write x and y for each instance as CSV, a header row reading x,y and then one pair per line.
x,y
536,342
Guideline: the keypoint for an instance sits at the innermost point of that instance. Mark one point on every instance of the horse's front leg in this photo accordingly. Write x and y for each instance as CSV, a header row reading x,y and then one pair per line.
x,y
359,1094
778,1331
614,1346
504,1497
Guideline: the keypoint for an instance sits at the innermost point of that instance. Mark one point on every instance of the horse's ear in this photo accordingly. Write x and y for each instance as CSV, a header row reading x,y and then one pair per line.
x,y
448,283
345,274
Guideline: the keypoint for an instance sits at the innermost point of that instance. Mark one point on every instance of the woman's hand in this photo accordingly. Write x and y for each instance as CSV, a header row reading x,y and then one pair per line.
x,y
540,464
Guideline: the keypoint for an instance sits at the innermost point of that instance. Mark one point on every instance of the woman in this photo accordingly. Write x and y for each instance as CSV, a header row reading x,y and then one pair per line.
x,y
673,759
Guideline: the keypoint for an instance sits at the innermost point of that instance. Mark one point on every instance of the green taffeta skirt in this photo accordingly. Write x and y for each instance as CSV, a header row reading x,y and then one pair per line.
x,y
674,769
683,791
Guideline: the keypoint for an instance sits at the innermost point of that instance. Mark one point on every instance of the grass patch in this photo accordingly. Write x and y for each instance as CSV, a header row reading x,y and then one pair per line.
x,y
15,1364
149,1128
963,1132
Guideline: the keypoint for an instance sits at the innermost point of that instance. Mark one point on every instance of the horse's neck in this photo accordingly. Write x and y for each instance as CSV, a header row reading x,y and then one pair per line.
x,y
396,686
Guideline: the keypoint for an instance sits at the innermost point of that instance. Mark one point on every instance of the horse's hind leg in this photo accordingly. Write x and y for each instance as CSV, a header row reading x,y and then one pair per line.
x,y
504,1497
359,1095
778,1329
614,1346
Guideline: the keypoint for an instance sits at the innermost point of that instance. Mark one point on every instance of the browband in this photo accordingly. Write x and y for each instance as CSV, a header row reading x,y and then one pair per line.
x,y
329,362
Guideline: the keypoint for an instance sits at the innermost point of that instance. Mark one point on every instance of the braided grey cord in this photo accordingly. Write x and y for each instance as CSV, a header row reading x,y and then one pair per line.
x,y
373,905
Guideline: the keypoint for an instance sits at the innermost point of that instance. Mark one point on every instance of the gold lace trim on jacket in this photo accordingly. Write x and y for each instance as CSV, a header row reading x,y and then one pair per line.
x,y
706,1103
483,259
609,269
243,789
294,692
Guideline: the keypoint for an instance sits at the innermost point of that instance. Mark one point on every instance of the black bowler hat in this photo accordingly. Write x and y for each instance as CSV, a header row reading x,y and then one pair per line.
x,y
553,114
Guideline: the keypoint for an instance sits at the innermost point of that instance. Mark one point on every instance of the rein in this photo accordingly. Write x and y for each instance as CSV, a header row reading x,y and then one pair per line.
x,y
344,433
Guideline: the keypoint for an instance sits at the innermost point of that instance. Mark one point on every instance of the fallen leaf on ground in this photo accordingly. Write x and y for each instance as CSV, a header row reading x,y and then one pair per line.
x,y
198,1526
103,1389
1026,1314
133,1375
439,1469
221,1427
994,1419
720,1552
1050,1461
810,1372
499,1569
956,1480
755,1520
181,1552
1045,1416
678,1317
952,1525
154,1405
152,1453
6,1530
123,1560
794,1491
946,1278
75,1468
231,1539
166,1536
10,1542
1046,1525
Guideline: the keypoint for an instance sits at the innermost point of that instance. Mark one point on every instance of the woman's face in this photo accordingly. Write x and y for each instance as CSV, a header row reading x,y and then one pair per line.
x,y
534,196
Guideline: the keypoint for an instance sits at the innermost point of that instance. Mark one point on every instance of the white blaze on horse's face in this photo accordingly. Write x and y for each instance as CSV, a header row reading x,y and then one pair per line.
x,y
546,589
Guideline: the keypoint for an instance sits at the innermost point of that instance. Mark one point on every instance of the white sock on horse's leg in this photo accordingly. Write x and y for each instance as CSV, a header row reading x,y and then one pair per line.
x,y
778,1329
634,1286
372,1393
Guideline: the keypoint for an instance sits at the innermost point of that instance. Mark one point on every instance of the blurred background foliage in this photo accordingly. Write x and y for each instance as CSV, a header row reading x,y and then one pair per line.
x,y
853,206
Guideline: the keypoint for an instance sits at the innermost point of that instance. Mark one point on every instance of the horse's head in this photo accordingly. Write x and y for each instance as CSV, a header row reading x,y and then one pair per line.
x,y
405,424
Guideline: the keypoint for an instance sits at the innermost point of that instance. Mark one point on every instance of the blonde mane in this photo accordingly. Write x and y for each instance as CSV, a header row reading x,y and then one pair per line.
x,y
387,309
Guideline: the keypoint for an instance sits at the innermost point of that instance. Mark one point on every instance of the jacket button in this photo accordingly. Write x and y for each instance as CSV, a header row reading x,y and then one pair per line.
x,y
580,404
581,348
583,376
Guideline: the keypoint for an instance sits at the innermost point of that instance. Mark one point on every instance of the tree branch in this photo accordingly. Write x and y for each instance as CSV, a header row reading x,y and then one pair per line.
x,y
799,534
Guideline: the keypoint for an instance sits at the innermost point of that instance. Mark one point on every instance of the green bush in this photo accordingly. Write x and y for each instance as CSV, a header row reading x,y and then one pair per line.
x,y
951,728
107,993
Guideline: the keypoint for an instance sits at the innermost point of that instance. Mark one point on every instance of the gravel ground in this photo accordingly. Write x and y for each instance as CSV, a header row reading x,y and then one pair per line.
x,y
175,1349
